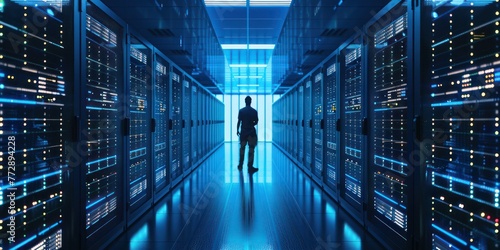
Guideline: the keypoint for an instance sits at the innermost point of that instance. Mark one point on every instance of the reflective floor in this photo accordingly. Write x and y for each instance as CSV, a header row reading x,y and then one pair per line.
x,y
219,207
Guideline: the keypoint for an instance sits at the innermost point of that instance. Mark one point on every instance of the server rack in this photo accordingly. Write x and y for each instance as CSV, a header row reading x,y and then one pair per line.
x,y
194,124
300,114
36,97
390,203
295,124
176,145
138,127
318,123
186,125
103,126
204,122
332,126
461,111
352,142
161,143
308,140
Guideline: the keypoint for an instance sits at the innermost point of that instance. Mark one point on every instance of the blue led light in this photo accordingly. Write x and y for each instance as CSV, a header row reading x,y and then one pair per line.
x,y
2,86
450,235
50,12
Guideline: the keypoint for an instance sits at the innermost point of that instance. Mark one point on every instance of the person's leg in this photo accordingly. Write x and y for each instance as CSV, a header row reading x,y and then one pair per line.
x,y
243,144
252,143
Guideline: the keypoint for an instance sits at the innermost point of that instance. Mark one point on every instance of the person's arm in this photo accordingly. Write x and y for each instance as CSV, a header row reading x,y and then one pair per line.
x,y
256,118
238,127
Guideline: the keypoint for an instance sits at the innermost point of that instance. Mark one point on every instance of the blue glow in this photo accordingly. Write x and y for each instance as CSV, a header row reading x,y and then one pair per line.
x,y
439,43
26,181
48,228
434,15
24,242
433,94
2,86
139,238
350,177
389,199
391,160
50,12
99,160
5,100
450,235
2,75
434,86
351,235
92,204
444,104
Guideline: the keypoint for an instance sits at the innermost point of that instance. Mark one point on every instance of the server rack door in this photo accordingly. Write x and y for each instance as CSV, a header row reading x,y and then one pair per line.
x,y
286,138
389,196
161,117
308,124
294,123
331,134
317,102
204,127
35,100
352,141
186,124
139,114
176,126
300,141
103,114
194,125
461,108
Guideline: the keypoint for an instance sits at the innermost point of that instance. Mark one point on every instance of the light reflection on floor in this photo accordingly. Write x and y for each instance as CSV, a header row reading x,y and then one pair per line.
x,y
219,207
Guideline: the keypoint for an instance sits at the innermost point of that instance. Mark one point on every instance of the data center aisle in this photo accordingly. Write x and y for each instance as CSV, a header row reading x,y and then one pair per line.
x,y
219,207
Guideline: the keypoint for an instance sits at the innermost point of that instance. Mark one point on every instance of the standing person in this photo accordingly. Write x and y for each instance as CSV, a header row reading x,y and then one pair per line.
x,y
247,118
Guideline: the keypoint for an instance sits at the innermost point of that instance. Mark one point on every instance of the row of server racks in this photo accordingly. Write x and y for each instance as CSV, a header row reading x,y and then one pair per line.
x,y
96,125
400,125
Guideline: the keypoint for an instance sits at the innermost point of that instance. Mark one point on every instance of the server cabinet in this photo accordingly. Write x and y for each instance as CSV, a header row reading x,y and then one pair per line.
x,y
286,126
161,126
308,140
295,123
139,88
332,124
317,102
300,114
103,113
186,125
194,124
35,100
204,123
390,137
461,109
176,126
352,140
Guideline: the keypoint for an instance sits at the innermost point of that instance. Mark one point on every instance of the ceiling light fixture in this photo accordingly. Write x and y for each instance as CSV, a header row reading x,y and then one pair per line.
x,y
232,3
248,85
247,65
247,77
247,46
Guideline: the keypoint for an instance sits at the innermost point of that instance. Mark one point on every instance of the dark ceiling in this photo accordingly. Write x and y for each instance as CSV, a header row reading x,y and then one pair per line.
x,y
191,34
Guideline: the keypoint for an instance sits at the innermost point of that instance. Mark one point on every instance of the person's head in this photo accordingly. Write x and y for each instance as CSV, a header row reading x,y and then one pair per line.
x,y
248,100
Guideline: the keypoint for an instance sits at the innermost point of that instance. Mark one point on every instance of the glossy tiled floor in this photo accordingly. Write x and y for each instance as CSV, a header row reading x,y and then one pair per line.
x,y
219,207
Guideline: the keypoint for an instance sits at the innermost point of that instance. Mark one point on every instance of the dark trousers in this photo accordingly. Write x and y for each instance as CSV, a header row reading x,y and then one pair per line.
x,y
252,142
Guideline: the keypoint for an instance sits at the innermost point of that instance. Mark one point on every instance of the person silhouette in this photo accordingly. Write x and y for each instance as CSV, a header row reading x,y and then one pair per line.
x,y
247,118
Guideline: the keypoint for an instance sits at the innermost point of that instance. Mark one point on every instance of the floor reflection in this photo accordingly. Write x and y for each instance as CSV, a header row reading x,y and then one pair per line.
x,y
219,207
